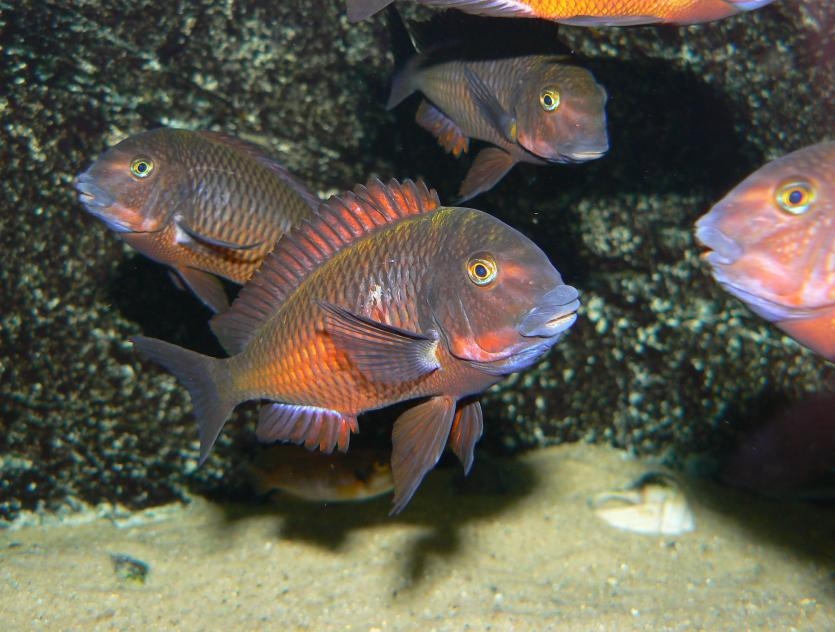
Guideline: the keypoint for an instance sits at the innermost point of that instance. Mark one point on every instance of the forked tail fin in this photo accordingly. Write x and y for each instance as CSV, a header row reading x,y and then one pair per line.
x,y
207,380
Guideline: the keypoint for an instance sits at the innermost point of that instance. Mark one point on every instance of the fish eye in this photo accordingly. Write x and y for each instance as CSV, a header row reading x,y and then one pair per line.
x,y
549,99
482,269
795,197
141,167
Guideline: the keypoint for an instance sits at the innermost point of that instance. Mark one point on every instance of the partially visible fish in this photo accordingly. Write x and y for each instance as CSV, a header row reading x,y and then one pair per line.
x,y
583,12
772,244
203,203
535,108
384,297
357,475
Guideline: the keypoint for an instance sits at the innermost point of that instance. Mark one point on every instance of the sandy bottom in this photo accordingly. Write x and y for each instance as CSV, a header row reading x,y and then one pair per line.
x,y
515,548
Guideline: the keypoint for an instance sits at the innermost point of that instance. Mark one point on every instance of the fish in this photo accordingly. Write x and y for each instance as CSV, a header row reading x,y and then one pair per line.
x,y
206,204
771,243
384,297
358,475
582,12
537,109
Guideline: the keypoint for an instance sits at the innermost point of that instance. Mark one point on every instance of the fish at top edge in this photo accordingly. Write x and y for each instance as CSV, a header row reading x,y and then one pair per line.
x,y
771,244
582,12
384,297
536,109
206,204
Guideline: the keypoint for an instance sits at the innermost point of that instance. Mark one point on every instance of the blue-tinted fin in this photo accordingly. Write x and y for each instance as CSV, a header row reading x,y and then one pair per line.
x,y
196,236
206,287
467,427
418,439
502,120
381,352
360,9
309,425
488,168
449,135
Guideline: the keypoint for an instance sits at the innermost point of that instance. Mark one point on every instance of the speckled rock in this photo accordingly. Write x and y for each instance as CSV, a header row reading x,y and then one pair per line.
x,y
661,360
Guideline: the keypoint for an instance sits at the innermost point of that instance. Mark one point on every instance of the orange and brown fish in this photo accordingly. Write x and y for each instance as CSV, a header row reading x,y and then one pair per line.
x,y
384,297
534,108
583,12
204,203
772,244
361,474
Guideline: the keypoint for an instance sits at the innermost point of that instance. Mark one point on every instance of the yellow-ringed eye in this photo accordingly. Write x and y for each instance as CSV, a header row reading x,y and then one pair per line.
x,y
795,197
549,99
482,269
141,167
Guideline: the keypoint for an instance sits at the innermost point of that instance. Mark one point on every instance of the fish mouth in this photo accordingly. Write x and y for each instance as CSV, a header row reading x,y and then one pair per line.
x,y
722,250
555,313
99,202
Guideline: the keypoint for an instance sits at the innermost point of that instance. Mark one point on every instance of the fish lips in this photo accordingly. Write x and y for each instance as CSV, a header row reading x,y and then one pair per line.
x,y
723,250
554,314
98,202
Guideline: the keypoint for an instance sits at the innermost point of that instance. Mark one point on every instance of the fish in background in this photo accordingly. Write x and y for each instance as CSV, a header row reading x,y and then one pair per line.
x,y
792,454
539,109
207,204
582,12
771,244
384,297
361,474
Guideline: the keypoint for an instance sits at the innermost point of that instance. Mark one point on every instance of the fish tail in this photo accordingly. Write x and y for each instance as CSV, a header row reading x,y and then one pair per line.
x,y
360,9
208,382
403,85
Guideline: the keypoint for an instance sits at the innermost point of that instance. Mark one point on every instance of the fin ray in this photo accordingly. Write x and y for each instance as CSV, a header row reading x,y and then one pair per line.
x,y
309,425
467,426
206,287
487,169
449,135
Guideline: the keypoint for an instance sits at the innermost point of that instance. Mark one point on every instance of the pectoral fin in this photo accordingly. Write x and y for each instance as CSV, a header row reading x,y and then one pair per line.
x,y
187,235
502,120
449,135
489,167
206,287
314,427
418,439
467,427
381,352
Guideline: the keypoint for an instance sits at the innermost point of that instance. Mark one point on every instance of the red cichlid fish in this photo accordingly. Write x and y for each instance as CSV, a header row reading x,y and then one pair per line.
x,y
204,203
582,12
357,475
772,244
384,297
534,108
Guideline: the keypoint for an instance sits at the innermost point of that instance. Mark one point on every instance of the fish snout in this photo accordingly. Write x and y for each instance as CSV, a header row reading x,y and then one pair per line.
x,y
555,313
98,202
722,250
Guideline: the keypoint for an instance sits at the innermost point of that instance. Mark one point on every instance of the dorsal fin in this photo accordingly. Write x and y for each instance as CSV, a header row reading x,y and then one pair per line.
x,y
341,221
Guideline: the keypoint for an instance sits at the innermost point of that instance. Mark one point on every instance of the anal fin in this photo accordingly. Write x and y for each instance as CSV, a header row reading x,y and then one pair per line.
x,y
418,439
489,167
206,287
449,135
467,426
309,425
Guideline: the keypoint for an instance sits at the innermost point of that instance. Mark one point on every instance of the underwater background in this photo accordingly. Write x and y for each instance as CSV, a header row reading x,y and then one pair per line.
x,y
660,362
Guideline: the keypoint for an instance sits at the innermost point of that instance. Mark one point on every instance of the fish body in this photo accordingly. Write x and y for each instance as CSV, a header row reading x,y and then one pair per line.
x,y
384,297
355,476
204,203
583,12
772,244
533,108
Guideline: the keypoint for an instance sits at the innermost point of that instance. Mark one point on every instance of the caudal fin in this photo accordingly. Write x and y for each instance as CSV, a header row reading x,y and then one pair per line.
x,y
207,380
360,9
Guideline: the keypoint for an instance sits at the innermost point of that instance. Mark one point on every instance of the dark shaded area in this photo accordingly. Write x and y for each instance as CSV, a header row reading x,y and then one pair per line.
x,y
661,361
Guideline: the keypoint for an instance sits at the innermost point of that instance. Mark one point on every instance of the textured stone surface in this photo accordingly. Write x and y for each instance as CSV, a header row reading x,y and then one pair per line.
x,y
661,360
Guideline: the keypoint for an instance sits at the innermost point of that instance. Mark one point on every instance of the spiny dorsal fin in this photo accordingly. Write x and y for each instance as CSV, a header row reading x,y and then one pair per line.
x,y
341,221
